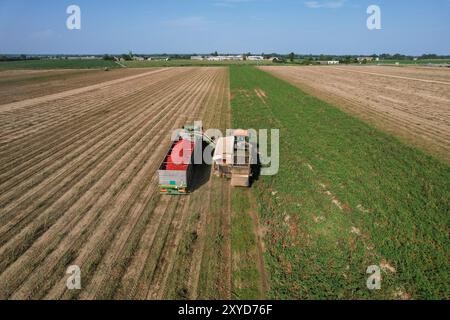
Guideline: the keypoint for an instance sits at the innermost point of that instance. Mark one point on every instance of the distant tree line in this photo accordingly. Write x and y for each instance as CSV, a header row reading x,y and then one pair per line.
x,y
397,56
21,57
108,57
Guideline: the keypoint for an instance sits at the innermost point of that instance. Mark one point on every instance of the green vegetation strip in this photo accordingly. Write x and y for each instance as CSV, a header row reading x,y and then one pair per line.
x,y
346,197
245,274
100,64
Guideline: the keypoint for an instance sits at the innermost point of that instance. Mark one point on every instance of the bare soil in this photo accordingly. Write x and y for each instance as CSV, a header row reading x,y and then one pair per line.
x,y
78,186
410,103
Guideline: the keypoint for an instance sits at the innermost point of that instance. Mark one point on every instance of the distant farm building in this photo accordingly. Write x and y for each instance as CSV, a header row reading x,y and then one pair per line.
x,y
158,59
255,58
235,58
330,62
218,58
82,58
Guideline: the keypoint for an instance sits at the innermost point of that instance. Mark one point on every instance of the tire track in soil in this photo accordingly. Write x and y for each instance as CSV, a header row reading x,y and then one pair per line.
x,y
264,282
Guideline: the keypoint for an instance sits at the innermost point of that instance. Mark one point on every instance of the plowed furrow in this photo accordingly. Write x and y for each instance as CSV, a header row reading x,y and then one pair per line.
x,y
51,161
75,191
161,264
81,168
127,203
185,266
117,248
41,114
69,132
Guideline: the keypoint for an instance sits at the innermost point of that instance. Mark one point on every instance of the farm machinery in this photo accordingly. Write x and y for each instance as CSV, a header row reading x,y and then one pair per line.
x,y
232,159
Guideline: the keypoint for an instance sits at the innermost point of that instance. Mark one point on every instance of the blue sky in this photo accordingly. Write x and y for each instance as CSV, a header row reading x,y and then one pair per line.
x,y
234,26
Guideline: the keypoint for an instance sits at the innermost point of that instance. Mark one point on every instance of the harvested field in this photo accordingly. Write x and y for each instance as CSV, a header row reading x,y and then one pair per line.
x,y
17,85
78,186
410,103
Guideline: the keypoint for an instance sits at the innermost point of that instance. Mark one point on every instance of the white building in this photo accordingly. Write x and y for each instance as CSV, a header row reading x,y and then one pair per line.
x,y
82,58
233,58
157,59
255,58
330,62
218,58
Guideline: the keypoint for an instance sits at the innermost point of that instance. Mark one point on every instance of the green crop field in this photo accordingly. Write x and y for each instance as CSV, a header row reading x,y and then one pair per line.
x,y
99,63
189,63
58,64
347,196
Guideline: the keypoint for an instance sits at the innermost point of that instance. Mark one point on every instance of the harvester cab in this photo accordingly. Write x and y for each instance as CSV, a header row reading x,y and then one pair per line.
x,y
233,158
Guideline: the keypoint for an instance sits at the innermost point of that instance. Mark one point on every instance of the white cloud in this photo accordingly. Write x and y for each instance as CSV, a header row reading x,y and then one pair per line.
x,y
325,4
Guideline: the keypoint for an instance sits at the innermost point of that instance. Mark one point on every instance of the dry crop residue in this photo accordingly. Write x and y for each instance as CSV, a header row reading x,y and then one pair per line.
x,y
411,103
78,186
